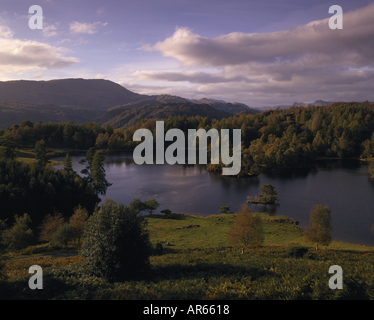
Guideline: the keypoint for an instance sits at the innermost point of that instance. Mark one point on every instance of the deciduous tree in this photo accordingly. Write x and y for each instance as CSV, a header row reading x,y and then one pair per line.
x,y
19,236
247,229
78,221
50,225
117,245
319,230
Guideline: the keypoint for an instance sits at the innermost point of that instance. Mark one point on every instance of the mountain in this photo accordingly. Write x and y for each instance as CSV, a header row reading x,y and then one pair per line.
x,y
64,100
129,116
226,106
315,103
85,100
93,93
13,112
297,104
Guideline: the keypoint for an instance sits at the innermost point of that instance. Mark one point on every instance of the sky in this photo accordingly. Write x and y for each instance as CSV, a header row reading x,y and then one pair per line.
x,y
261,53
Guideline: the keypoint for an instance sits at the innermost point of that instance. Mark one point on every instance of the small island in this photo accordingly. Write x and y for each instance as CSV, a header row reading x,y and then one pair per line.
x,y
268,195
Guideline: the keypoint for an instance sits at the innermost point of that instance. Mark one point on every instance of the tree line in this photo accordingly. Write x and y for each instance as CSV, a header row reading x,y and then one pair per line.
x,y
288,138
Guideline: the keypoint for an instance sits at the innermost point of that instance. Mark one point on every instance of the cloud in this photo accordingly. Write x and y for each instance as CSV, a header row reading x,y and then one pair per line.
x,y
304,63
189,76
313,44
19,56
86,28
50,31
5,32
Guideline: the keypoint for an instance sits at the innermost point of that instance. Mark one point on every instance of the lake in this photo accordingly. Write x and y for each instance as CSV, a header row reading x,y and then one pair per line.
x,y
343,185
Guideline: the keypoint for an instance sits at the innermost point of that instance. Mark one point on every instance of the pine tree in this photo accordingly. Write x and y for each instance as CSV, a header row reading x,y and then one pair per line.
x,y
41,153
68,165
97,174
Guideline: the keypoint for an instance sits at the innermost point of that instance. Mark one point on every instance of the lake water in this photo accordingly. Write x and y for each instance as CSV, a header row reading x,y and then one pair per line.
x,y
342,185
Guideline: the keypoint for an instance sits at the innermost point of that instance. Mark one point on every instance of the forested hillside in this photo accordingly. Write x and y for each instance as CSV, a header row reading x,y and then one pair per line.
x,y
294,137
130,116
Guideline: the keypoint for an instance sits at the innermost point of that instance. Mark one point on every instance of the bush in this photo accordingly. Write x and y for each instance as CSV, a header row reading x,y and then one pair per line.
x,y
159,249
20,236
297,252
63,234
117,246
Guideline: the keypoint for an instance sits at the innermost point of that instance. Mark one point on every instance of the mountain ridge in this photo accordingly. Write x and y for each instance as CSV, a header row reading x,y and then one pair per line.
x,y
82,100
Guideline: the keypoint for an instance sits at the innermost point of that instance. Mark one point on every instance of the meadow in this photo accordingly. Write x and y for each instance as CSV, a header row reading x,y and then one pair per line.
x,y
195,262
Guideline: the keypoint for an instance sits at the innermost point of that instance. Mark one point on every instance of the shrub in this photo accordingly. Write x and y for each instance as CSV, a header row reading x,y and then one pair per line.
x,y
20,236
63,234
117,246
159,249
297,252
50,225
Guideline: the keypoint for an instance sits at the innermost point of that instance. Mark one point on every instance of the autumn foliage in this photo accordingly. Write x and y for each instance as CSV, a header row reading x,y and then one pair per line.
x,y
247,229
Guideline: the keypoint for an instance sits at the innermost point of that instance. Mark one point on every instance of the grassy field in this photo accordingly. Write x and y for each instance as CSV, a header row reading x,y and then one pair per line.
x,y
197,263
27,156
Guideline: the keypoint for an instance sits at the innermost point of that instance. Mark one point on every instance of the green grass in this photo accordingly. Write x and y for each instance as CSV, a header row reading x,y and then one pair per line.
x,y
27,156
213,231
198,264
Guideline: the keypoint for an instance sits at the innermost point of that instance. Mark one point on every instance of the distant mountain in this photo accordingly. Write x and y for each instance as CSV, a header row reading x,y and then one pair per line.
x,y
315,103
93,93
298,104
12,112
85,100
129,116
226,106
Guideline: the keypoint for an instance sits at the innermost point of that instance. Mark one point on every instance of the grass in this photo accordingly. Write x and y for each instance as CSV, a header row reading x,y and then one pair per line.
x,y
27,156
197,263
213,229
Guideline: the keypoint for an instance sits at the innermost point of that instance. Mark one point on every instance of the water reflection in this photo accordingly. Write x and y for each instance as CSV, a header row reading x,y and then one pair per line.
x,y
271,209
342,185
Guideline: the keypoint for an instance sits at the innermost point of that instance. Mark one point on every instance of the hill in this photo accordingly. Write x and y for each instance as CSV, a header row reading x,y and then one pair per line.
x,y
77,100
84,100
92,93
194,262
128,116
227,106
13,112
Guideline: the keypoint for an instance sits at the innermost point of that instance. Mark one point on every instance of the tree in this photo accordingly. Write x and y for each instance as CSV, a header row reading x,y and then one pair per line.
x,y
97,175
371,169
63,234
20,235
167,212
8,152
50,225
88,160
320,229
151,205
269,194
41,153
77,221
247,229
68,165
117,245
224,209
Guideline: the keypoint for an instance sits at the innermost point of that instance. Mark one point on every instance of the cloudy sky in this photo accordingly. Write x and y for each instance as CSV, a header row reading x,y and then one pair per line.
x,y
261,53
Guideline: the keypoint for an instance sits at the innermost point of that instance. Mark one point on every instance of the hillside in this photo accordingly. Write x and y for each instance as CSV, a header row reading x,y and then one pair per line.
x,y
67,100
194,262
129,116
226,106
93,93
13,112
84,100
